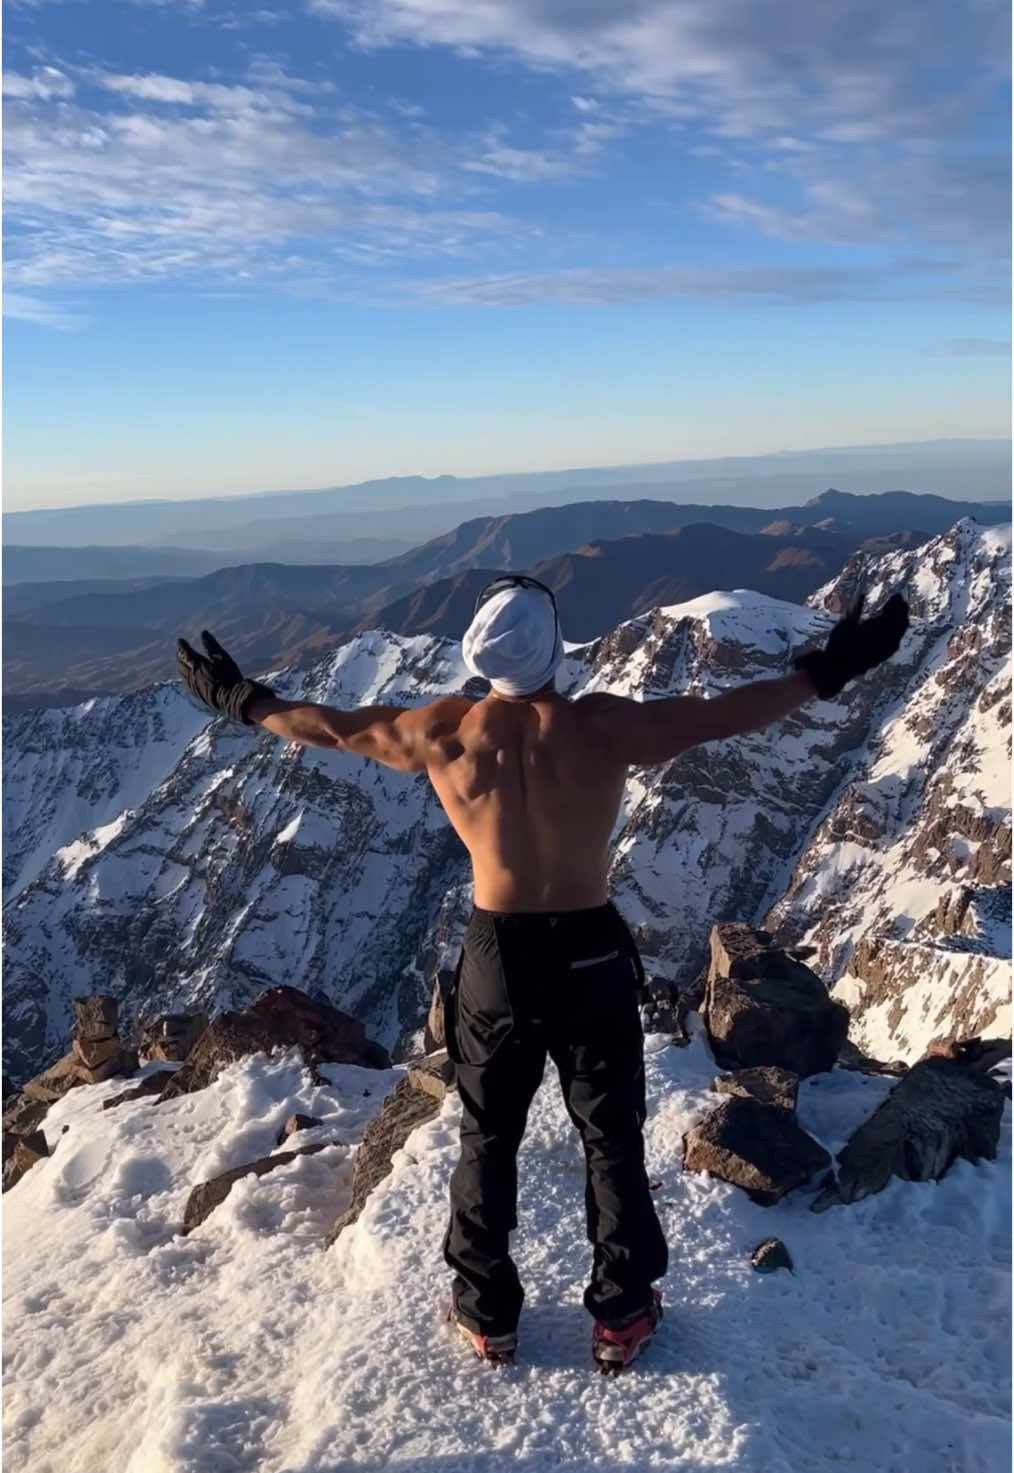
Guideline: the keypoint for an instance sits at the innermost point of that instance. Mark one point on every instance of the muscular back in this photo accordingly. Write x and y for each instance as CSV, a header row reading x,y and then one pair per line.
x,y
533,795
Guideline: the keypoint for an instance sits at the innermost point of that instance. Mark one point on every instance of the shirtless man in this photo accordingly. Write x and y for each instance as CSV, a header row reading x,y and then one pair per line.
x,y
532,783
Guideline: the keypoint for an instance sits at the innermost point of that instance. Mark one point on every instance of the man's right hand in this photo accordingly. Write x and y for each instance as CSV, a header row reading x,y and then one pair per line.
x,y
855,645
215,679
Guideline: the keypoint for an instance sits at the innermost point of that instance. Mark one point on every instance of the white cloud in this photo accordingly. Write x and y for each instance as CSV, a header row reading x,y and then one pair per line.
x,y
268,177
789,284
35,309
830,91
46,82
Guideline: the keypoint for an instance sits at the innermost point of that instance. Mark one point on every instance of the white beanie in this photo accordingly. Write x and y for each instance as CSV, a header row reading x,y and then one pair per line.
x,y
514,641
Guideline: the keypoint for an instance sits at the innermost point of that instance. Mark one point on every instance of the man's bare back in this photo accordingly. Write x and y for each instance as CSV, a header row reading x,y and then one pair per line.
x,y
533,796
532,786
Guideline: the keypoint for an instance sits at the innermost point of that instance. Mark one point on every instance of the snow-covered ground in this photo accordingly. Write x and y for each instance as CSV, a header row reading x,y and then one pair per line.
x,y
245,1349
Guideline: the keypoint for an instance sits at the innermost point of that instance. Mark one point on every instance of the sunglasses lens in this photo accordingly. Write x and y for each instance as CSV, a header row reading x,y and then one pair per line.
x,y
512,580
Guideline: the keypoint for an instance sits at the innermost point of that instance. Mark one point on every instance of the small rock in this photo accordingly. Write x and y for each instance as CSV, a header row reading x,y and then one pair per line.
x,y
294,1123
770,1255
281,1017
757,1147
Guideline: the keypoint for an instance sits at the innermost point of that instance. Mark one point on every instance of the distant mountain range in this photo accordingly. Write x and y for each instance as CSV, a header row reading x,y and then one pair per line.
x,y
608,561
315,526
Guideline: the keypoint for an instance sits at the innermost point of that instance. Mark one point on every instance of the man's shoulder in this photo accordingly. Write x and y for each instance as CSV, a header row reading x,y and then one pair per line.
x,y
438,717
600,703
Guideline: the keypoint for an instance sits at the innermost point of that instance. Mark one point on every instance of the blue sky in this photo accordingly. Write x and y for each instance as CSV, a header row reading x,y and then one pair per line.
x,y
251,248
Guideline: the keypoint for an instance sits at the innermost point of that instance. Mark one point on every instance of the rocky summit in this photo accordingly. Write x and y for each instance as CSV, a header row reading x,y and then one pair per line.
x,y
181,864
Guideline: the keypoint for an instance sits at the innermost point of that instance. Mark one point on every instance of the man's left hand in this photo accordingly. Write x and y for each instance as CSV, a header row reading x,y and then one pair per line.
x,y
215,679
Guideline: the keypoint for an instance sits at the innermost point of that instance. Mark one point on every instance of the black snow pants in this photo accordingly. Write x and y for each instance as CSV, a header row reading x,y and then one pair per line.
x,y
566,984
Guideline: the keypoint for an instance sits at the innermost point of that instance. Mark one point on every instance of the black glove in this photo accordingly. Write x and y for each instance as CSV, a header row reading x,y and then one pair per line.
x,y
855,646
215,678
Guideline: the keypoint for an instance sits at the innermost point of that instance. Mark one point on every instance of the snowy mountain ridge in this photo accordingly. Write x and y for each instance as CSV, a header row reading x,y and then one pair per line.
x,y
223,862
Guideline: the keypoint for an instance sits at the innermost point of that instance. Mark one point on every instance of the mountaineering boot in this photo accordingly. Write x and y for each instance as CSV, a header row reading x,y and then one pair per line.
x,y
613,1350
498,1350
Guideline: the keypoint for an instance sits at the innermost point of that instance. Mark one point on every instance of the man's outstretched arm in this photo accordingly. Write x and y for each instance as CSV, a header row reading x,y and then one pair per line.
x,y
393,735
644,732
655,731
405,739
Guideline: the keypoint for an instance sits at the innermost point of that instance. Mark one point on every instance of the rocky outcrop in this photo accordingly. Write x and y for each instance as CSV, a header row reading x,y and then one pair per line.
x,y
282,1017
761,1007
414,1100
23,1142
25,1151
940,1110
757,1147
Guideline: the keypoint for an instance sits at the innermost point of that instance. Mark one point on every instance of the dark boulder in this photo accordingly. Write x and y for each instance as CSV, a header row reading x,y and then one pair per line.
x,y
761,1007
940,1110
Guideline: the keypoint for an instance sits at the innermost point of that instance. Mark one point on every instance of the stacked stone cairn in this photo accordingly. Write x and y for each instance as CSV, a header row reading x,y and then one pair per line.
x,y
96,1048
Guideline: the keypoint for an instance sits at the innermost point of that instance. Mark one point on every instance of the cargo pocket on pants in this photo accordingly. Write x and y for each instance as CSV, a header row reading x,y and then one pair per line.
x,y
482,1015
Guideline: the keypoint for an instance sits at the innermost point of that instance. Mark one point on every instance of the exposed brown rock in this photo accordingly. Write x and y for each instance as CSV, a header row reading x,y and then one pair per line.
x,y
151,1084
22,1114
435,1034
172,1036
209,1194
852,1057
757,1147
96,1016
977,1054
54,1082
770,1086
783,1016
282,1017
296,1123
940,1110
433,1073
107,1070
27,1151
733,941
94,1052
404,1109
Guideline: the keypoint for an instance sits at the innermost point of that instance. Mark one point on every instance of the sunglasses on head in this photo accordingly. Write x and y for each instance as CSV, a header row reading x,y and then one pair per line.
x,y
513,580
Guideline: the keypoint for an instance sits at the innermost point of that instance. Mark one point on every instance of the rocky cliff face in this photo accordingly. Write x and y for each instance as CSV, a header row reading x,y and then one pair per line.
x,y
904,885
183,863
